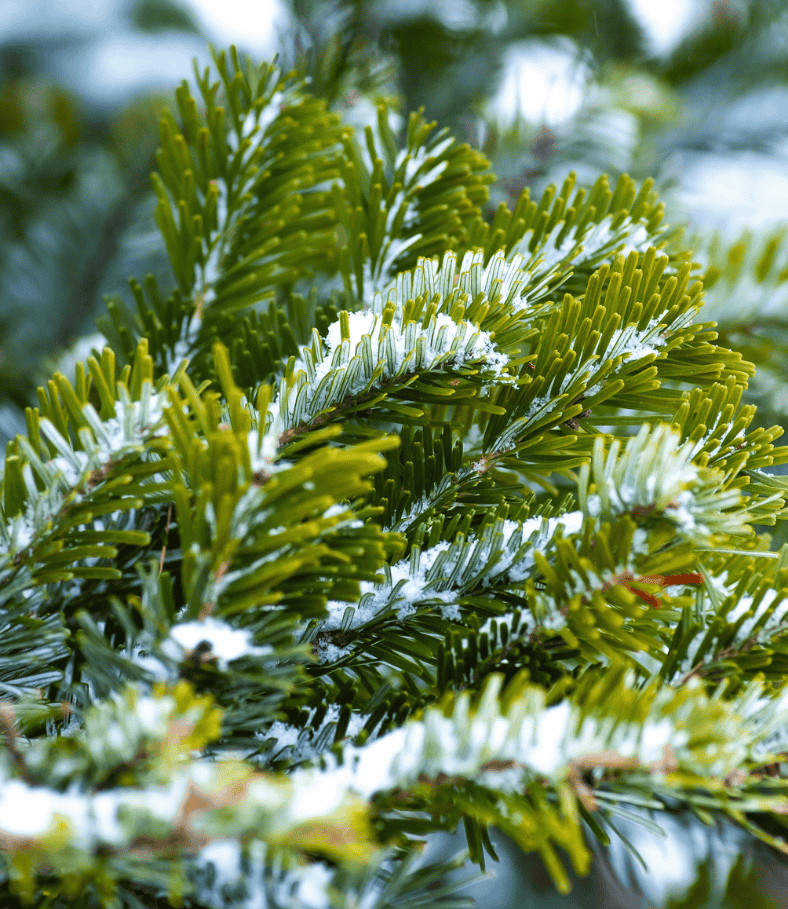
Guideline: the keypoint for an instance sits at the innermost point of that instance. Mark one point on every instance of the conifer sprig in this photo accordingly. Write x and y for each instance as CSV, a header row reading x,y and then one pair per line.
x,y
468,531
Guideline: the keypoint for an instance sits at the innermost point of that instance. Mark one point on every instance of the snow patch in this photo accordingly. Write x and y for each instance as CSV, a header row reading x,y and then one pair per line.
x,y
227,643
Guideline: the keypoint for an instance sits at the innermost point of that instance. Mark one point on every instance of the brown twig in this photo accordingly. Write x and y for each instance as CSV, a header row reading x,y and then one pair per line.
x,y
627,578
166,538
11,739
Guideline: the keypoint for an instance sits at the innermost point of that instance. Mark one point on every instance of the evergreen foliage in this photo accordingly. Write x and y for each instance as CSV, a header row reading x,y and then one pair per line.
x,y
395,513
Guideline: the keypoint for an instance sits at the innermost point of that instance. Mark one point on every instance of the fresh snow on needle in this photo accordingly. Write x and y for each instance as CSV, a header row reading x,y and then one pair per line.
x,y
374,352
227,643
444,572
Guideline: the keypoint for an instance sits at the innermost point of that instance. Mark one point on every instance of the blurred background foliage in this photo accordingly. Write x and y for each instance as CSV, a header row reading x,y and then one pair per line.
x,y
691,92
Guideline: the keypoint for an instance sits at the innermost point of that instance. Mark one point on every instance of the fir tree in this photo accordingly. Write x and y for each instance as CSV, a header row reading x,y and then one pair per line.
x,y
394,514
